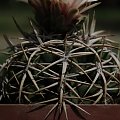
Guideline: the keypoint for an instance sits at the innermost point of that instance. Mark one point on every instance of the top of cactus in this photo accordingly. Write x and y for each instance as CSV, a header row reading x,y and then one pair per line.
x,y
59,16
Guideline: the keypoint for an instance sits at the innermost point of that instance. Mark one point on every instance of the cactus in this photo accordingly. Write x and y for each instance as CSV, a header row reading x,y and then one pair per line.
x,y
75,66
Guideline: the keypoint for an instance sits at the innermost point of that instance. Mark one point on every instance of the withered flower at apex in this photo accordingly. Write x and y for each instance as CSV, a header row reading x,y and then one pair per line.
x,y
59,16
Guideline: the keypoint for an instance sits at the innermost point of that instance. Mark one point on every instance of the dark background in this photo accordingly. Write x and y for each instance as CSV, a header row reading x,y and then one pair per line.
x,y
108,3
107,15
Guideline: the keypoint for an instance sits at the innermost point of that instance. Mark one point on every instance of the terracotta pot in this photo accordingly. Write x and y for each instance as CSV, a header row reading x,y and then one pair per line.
x,y
22,112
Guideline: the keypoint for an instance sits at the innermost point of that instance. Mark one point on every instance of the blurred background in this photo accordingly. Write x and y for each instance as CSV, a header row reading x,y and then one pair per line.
x,y
107,16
